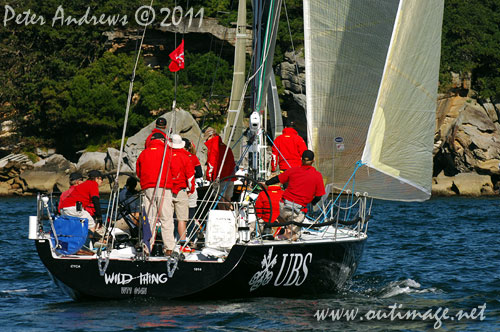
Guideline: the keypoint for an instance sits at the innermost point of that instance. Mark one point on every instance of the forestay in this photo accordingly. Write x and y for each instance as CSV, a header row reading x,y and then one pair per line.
x,y
371,83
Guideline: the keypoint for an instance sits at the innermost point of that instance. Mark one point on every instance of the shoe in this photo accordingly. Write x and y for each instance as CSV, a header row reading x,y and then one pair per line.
x,y
167,252
186,248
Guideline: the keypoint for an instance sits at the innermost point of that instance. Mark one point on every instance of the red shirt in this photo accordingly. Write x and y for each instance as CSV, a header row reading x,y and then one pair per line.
x,y
262,207
65,195
291,146
216,150
149,162
181,172
304,183
81,193
154,131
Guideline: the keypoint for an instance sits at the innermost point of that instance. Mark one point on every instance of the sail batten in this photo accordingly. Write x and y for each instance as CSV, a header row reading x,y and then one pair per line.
x,y
371,83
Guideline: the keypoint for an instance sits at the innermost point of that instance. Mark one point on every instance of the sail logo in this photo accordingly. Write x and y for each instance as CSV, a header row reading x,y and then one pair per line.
x,y
292,272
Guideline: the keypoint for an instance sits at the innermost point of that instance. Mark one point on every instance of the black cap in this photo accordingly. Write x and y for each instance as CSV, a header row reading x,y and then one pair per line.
x,y
75,176
161,122
158,136
308,155
188,143
95,174
131,182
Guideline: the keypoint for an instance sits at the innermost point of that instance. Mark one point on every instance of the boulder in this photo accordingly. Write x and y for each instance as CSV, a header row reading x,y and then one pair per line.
x,y
48,175
5,189
91,161
44,153
443,185
181,122
46,181
473,184
111,162
55,163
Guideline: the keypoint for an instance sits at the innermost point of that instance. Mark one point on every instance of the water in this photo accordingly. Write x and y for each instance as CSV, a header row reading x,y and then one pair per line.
x,y
440,253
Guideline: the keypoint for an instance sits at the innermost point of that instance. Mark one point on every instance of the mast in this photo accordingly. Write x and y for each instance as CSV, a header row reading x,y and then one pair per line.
x,y
266,19
235,113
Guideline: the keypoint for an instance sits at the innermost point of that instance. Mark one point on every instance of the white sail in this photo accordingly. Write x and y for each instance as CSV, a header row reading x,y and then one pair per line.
x,y
371,84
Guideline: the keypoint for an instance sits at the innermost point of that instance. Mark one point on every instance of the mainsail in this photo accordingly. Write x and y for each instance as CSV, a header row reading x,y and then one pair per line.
x,y
371,84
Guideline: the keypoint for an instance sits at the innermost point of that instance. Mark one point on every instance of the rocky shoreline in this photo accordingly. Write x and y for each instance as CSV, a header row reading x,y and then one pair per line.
x,y
22,177
466,155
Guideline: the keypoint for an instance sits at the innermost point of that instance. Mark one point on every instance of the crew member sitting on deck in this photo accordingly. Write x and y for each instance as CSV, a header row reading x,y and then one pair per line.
x,y
75,179
161,127
305,185
129,208
288,149
83,202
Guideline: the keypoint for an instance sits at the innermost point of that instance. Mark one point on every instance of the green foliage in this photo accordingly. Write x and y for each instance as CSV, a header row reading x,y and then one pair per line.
x,y
64,88
471,43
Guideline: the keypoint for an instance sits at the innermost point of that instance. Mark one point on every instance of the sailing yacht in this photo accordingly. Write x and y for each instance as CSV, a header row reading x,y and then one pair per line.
x,y
371,85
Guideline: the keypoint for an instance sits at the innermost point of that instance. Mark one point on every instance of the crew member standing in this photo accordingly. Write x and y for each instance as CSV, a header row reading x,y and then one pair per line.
x,y
305,185
215,156
181,187
157,200
288,149
161,127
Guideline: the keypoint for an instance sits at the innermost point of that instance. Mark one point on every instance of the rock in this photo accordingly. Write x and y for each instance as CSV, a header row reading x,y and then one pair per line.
x,y
476,116
491,166
91,161
4,189
111,161
467,140
44,153
185,125
463,184
473,184
105,189
46,181
492,112
55,163
48,175
443,185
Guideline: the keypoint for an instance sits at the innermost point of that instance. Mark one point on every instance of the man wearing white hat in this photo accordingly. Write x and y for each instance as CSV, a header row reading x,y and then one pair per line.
x,y
182,175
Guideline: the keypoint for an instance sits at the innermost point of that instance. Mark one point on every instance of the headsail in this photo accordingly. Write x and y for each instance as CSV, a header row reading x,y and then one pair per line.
x,y
371,78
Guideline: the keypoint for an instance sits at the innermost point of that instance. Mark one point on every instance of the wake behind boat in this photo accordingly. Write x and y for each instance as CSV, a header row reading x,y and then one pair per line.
x,y
371,82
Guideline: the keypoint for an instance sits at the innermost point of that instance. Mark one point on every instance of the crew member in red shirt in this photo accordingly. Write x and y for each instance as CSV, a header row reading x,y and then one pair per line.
x,y
161,127
305,185
75,179
87,193
215,155
263,204
288,149
182,185
157,200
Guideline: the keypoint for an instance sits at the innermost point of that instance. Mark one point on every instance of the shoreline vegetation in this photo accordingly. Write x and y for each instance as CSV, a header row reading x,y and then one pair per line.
x,y
65,87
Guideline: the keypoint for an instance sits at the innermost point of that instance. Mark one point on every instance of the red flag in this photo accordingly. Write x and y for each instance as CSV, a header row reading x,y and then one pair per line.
x,y
177,57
